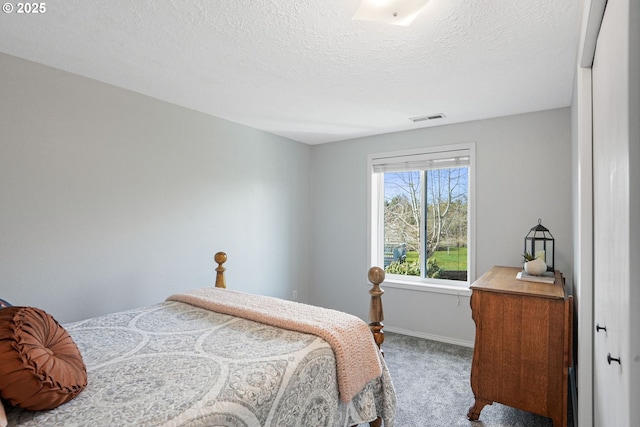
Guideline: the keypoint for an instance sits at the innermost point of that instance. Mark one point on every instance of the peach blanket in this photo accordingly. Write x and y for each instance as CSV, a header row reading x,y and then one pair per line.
x,y
357,360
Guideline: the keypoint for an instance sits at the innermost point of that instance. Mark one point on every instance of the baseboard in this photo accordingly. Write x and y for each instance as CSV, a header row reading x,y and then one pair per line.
x,y
439,338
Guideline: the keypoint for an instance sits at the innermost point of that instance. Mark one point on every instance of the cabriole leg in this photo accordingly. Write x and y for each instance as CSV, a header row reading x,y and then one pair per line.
x,y
474,411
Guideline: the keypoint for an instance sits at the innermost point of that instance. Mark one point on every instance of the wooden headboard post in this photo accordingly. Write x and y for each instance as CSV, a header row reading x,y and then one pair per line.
x,y
376,316
220,258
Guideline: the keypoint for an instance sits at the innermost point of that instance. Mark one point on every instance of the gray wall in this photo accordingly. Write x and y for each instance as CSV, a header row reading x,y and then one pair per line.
x,y
523,172
113,200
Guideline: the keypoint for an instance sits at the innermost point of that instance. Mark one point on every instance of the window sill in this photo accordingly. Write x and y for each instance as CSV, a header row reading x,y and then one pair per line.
x,y
427,287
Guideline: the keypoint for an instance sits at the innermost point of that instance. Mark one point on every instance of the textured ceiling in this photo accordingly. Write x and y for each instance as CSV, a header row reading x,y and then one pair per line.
x,y
304,69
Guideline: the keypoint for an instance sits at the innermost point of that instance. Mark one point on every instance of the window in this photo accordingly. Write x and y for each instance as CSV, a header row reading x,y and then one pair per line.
x,y
421,221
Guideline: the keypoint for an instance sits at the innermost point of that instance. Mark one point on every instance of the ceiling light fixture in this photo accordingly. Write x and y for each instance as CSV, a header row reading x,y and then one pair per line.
x,y
396,12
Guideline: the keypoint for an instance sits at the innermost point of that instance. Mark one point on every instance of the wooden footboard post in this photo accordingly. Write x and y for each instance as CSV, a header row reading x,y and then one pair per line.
x,y
220,258
376,316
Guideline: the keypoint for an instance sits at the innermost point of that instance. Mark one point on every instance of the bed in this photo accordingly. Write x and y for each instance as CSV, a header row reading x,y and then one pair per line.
x,y
217,357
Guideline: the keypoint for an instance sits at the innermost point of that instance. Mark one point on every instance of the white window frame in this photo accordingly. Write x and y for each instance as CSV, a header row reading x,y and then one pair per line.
x,y
375,212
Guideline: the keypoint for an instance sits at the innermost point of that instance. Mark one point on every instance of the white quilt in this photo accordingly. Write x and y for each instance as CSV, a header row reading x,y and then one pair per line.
x,y
174,364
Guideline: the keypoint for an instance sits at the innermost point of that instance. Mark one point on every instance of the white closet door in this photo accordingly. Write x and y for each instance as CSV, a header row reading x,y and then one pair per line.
x,y
611,216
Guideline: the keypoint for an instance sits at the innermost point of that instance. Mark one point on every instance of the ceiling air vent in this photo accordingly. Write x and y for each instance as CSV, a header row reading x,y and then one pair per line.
x,y
425,118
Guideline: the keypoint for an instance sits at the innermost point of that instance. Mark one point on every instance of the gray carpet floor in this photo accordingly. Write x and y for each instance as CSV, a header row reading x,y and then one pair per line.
x,y
431,380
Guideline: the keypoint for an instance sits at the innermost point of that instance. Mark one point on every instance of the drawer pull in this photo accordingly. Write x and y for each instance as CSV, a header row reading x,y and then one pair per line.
x,y
613,359
599,328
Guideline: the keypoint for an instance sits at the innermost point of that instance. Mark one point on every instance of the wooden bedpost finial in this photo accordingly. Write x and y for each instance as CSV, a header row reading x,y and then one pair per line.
x,y
220,258
376,275
376,315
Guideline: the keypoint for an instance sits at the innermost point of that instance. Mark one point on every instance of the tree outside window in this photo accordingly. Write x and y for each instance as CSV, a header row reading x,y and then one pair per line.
x,y
423,221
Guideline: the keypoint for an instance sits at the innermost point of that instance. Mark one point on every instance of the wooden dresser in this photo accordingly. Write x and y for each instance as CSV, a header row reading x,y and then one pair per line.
x,y
522,348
